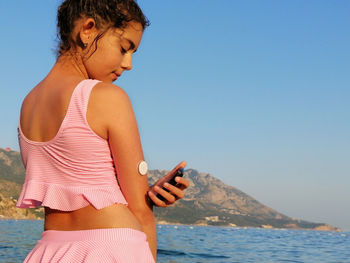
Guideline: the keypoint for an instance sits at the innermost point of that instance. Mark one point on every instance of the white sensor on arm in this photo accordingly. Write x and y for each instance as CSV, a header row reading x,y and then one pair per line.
x,y
143,168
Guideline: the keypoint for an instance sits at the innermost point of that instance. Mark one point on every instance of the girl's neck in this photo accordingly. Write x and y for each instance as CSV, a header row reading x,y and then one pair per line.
x,y
72,63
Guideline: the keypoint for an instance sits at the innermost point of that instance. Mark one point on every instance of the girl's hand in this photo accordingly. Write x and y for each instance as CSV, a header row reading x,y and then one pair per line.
x,y
175,192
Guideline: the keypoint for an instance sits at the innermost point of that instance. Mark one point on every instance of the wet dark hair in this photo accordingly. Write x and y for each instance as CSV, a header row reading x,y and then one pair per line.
x,y
106,13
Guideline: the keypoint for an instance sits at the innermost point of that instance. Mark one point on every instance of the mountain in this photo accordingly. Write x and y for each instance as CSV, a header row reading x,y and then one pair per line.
x,y
208,201
11,180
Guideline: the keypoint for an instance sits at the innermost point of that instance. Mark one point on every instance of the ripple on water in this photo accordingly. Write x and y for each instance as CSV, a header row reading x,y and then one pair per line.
x,y
194,244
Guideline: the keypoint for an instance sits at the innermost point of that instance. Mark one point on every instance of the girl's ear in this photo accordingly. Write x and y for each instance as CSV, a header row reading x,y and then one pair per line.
x,y
87,31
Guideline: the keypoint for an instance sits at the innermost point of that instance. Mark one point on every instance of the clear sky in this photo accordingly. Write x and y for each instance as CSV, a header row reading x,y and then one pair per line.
x,y
254,92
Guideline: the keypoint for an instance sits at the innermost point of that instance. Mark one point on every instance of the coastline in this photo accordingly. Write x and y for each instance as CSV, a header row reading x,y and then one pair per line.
x,y
324,228
219,205
320,228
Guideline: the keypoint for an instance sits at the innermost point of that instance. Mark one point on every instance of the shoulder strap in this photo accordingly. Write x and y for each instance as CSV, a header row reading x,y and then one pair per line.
x,y
80,99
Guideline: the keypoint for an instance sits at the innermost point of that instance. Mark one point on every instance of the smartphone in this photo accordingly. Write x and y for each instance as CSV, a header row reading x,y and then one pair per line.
x,y
179,172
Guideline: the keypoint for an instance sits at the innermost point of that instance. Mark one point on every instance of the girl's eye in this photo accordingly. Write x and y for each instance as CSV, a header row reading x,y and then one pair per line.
x,y
123,51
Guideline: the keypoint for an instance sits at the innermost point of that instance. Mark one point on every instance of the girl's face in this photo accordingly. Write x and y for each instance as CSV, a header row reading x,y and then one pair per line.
x,y
114,52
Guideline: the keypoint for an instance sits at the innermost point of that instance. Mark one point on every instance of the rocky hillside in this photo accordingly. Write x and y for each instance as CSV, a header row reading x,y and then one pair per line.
x,y
208,201
11,180
211,202
11,167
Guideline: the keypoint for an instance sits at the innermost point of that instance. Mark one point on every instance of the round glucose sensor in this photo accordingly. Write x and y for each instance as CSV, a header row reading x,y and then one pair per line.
x,y
143,168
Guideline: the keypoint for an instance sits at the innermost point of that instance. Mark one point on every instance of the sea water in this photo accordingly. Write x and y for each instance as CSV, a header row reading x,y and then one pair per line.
x,y
202,244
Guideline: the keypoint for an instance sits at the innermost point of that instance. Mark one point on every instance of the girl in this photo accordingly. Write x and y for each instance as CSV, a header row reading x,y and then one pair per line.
x,y
81,148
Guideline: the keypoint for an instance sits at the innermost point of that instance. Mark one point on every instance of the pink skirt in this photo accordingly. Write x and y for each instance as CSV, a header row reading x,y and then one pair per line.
x,y
119,245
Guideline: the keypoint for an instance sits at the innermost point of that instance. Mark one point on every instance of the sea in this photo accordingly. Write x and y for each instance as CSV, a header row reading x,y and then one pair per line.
x,y
202,244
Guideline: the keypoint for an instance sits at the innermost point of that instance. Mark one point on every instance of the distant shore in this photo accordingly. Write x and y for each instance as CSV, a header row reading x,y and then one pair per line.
x,y
320,228
162,222
208,202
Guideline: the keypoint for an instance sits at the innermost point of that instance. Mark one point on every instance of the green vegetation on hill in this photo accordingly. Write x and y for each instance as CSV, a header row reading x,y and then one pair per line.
x,y
11,167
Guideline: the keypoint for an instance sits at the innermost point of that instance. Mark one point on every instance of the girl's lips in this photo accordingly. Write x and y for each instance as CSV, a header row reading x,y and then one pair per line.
x,y
116,76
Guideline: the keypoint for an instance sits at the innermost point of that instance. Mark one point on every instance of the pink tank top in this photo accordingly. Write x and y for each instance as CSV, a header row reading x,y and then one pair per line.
x,y
75,168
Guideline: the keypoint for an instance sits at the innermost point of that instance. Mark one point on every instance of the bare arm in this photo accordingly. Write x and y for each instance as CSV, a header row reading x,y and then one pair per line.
x,y
125,144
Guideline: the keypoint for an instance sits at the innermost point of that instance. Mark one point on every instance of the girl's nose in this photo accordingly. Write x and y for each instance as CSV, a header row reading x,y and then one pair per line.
x,y
127,62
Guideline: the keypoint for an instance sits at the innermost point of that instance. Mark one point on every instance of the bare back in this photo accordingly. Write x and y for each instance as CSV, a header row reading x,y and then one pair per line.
x,y
45,107
42,113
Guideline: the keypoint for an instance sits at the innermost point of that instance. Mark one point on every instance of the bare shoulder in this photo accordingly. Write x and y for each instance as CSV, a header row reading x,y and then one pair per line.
x,y
110,95
108,104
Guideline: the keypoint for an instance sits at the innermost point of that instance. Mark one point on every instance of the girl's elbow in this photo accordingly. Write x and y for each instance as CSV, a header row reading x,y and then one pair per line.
x,y
142,211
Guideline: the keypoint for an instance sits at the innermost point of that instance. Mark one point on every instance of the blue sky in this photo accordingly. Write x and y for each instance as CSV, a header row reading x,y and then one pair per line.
x,y
254,92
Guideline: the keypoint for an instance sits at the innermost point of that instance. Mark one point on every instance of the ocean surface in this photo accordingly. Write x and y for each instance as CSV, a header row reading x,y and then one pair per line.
x,y
202,244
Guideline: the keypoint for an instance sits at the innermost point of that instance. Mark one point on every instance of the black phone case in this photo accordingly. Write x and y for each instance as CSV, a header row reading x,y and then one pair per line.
x,y
180,173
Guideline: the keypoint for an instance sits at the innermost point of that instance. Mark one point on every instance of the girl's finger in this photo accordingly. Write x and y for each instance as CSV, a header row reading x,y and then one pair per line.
x,y
182,183
156,201
175,191
170,199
